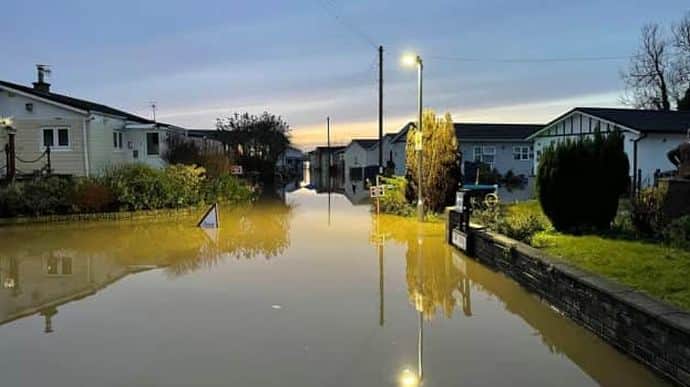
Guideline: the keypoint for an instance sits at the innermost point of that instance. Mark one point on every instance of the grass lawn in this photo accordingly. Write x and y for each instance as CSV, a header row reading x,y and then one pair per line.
x,y
651,267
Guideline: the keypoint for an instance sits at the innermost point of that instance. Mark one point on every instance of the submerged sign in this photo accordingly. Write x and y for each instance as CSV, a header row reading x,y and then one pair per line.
x,y
459,239
210,219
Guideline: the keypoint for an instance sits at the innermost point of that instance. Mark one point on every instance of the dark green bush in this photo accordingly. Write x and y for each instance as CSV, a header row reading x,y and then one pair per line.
x,y
139,187
48,196
580,182
227,188
677,232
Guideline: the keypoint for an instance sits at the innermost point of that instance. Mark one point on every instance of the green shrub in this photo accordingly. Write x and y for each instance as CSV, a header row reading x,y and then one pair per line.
x,y
677,232
185,184
47,196
646,212
521,227
139,187
92,195
394,201
580,182
227,188
11,200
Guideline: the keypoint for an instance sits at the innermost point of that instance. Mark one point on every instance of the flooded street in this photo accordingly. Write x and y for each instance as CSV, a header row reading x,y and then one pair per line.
x,y
312,291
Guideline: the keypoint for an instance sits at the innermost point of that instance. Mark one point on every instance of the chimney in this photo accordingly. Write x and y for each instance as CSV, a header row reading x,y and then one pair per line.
x,y
41,85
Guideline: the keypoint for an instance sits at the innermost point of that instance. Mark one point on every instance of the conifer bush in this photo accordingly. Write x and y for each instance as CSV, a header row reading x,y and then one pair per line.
x,y
580,182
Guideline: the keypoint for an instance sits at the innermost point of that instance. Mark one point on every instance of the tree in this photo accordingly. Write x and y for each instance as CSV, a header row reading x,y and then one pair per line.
x,y
681,43
256,141
440,165
649,73
580,182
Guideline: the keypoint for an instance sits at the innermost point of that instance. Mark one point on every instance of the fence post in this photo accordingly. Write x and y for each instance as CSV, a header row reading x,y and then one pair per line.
x,y
11,162
50,168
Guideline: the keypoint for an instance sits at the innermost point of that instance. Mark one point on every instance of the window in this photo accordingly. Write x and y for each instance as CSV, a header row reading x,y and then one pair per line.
x,y
57,138
152,144
485,154
117,140
58,266
523,152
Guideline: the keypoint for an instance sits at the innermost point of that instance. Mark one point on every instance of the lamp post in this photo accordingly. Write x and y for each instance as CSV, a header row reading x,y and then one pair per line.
x,y
412,60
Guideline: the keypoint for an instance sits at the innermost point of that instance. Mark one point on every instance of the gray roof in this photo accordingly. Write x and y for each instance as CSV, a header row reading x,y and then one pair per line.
x,y
75,103
469,131
365,143
655,121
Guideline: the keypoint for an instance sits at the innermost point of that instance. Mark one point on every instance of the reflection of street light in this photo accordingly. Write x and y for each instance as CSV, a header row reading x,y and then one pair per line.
x,y
411,60
408,378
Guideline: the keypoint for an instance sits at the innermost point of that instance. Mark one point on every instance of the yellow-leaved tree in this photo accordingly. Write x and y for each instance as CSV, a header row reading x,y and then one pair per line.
x,y
440,161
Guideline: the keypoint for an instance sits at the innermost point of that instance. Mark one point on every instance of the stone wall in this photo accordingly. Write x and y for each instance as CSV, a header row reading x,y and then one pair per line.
x,y
654,333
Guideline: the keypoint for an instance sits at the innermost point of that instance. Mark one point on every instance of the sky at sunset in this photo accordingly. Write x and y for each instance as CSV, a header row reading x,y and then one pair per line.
x,y
308,59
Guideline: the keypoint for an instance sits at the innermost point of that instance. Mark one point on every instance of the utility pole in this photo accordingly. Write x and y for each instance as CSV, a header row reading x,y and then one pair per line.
x,y
380,110
328,147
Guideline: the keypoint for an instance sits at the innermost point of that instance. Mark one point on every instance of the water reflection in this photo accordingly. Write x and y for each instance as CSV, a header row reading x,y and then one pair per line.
x,y
437,280
44,267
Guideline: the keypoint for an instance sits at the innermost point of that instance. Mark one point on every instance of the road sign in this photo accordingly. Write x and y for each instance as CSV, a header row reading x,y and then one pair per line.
x,y
236,170
377,191
459,239
210,218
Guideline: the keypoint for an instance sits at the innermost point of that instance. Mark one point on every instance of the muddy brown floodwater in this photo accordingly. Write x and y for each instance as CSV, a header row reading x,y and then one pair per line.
x,y
312,291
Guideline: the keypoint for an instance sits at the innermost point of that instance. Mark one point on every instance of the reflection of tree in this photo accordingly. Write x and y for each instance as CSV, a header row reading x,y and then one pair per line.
x,y
434,282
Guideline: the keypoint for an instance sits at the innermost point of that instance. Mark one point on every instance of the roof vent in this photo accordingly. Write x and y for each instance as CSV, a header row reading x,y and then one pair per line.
x,y
41,85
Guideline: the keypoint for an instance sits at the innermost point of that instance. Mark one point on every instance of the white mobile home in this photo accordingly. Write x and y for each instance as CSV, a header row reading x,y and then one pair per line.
x,y
84,137
648,134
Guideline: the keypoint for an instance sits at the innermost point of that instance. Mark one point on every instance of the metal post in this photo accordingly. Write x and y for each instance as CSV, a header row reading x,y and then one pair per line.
x,y
420,196
11,157
50,168
380,110
328,139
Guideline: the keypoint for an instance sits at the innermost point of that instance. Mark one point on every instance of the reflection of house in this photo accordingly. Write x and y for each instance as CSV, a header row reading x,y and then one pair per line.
x,y
504,147
84,137
39,284
649,134
291,160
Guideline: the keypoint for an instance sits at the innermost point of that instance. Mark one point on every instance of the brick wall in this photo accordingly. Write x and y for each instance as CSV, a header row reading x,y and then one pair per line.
x,y
654,333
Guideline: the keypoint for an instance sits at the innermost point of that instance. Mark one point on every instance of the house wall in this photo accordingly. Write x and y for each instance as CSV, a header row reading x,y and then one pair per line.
x,y
504,159
135,144
651,151
102,153
399,157
29,125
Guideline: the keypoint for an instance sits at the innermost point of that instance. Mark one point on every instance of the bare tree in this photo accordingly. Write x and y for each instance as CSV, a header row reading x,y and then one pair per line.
x,y
681,62
648,76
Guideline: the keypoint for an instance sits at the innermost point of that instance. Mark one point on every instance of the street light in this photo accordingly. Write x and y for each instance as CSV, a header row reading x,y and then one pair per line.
x,y
412,60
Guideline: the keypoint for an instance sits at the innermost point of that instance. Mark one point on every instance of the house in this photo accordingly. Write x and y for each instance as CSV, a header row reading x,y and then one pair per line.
x,y
84,137
648,135
322,156
291,160
504,147
360,159
396,151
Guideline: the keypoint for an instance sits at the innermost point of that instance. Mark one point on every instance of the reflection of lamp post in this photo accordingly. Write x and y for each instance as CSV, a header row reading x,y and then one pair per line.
x,y
411,60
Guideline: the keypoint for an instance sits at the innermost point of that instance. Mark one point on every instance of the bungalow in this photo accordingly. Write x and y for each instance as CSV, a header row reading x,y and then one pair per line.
x,y
503,147
291,160
648,134
84,137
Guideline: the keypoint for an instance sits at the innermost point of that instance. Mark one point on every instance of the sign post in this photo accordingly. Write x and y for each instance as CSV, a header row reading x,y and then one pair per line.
x,y
210,218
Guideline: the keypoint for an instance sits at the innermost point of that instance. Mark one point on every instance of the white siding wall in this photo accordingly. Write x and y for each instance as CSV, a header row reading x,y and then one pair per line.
x,y
29,135
651,151
102,153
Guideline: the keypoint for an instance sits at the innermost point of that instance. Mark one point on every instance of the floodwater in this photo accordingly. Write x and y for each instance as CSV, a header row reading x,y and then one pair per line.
x,y
309,291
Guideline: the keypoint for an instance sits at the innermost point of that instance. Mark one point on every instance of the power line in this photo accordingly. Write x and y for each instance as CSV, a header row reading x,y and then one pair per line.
x,y
345,23
533,60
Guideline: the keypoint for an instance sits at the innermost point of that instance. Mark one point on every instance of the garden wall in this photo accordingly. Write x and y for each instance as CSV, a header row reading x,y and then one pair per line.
x,y
653,332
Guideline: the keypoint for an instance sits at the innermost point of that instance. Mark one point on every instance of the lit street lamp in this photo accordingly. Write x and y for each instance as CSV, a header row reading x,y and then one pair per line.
x,y
412,60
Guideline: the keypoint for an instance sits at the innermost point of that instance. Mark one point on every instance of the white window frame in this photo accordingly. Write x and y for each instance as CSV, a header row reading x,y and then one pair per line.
x,y
55,147
60,262
477,153
118,140
523,153
484,152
